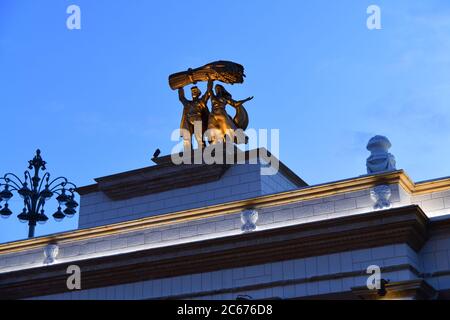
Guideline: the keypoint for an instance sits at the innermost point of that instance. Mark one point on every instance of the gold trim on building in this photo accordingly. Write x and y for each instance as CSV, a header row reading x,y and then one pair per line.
x,y
302,194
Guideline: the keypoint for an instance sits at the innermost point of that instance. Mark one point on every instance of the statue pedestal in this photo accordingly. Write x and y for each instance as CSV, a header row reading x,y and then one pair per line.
x,y
166,188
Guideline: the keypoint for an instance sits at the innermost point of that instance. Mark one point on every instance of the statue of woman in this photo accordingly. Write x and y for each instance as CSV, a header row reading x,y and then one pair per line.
x,y
221,126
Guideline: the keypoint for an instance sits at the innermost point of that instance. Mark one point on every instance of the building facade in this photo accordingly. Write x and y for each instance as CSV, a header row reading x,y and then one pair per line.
x,y
224,231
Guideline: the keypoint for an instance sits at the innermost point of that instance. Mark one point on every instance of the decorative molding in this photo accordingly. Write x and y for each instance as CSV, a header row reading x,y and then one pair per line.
x,y
279,199
156,179
249,218
432,186
272,284
380,159
439,227
168,176
400,225
50,253
381,196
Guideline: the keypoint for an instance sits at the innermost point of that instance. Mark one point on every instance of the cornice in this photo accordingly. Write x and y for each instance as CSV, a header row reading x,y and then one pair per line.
x,y
303,194
432,186
279,199
406,225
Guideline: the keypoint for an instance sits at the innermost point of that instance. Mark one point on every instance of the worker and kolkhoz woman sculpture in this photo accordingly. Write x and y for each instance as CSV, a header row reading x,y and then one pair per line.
x,y
215,125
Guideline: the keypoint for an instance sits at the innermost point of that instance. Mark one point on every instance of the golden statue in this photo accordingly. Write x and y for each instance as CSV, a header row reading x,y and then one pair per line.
x,y
224,71
195,113
221,127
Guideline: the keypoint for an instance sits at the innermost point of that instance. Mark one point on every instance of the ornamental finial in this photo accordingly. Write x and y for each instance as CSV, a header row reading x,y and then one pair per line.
x,y
380,159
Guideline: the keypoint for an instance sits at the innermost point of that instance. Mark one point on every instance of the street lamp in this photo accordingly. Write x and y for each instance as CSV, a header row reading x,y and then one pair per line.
x,y
35,191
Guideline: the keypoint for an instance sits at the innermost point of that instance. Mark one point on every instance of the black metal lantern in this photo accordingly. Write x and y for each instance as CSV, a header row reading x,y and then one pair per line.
x,y
35,191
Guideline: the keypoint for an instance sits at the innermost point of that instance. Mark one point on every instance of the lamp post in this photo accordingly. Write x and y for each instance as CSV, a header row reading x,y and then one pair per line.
x,y
35,191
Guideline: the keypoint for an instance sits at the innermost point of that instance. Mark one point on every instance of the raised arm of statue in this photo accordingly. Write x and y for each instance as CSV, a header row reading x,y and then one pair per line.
x,y
181,95
237,103
245,100
210,85
209,91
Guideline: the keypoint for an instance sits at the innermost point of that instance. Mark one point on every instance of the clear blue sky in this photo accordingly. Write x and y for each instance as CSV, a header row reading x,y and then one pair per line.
x,y
97,102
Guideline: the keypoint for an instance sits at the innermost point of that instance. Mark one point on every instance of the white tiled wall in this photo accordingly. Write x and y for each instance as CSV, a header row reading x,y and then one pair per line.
x,y
433,258
272,217
434,204
330,207
435,262
275,183
284,279
239,182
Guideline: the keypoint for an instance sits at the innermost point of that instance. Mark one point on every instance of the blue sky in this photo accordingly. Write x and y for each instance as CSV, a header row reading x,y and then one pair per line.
x,y
97,102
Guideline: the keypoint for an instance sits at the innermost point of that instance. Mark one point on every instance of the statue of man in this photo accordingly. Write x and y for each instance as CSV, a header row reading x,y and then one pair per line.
x,y
195,115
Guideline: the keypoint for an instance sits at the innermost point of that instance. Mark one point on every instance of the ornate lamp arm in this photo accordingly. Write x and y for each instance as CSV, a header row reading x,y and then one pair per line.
x,y
9,181
45,178
65,181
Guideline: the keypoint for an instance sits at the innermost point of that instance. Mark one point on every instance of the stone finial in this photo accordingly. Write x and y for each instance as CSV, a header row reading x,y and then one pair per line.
x,y
380,159
381,196
249,218
50,253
